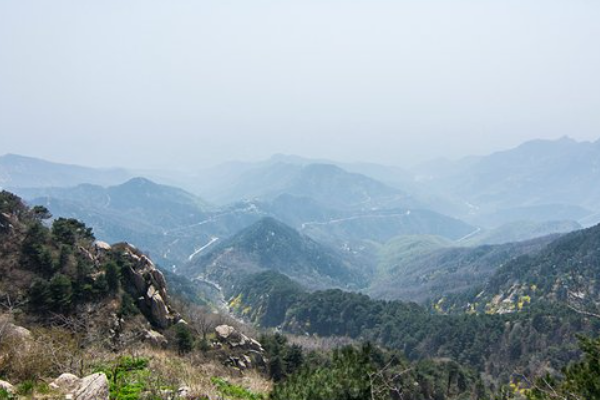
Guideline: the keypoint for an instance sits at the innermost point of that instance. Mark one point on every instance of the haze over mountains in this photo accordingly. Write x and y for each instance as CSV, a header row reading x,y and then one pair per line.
x,y
363,213
299,200
478,262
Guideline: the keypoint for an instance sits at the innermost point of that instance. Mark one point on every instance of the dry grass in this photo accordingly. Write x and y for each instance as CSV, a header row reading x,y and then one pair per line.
x,y
55,351
196,371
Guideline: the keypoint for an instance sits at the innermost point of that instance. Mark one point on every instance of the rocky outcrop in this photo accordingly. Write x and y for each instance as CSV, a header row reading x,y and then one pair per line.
x,y
101,246
247,352
151,286
230,336
5,222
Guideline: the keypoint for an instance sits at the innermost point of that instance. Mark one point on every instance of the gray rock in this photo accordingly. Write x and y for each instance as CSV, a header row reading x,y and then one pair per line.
x,y
184,392
247,361
65,383
224,331
18,333
93,387
228,335
155,339
151,286
102,246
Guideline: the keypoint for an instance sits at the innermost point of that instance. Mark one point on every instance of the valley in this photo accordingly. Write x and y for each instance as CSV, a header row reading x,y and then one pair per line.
x,y
318,252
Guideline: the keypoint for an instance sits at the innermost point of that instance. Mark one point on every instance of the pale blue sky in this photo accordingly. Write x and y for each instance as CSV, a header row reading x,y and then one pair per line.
x,y
186,83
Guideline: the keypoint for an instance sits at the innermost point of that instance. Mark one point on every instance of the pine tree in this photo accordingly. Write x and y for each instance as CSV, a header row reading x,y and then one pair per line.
x,y
61,293
113,277
39,296
184,339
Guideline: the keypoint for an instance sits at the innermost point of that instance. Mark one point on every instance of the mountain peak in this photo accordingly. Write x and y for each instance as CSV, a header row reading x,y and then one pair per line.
x,y
140,182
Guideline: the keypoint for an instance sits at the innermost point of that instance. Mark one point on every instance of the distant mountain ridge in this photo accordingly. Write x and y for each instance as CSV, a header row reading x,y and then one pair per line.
x,y
271,245
418,269
537,173
19,171
328,184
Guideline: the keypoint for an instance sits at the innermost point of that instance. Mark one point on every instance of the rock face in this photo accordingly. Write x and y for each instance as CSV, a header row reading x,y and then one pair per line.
x,y
151,286
93,387
248,352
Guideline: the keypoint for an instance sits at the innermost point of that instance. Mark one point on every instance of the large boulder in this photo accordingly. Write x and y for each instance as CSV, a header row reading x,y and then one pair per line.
x,y
228,335
223,332
93,387
155,339
102,247
151,286
17,333
65,383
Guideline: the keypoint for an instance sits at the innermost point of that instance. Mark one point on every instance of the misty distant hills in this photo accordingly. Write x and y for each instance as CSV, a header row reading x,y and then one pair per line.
x,y
383,225
168,222
271,245
556,179
19,172
417,268
328,184
520,231
138,198
216,183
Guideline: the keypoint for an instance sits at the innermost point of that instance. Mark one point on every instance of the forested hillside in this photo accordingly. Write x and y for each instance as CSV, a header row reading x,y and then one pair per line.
x,y
496,344
94,308
565,271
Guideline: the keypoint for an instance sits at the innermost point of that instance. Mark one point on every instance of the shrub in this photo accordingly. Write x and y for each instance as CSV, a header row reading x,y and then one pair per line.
x,y
234,391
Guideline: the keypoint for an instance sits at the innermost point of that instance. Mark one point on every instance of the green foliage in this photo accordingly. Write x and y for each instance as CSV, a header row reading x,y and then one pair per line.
x,y
69,231
26,388
35,253
371,373
5,395
129,377
39,295
269,311
347,378
40,212
581,379
113,277
284,360
234,392
55,295
128,307
571,263
497,343
11,203
184,339
61,293
64,258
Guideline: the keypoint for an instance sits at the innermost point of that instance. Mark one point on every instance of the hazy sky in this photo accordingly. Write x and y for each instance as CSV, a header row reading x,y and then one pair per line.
x,y
183,83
